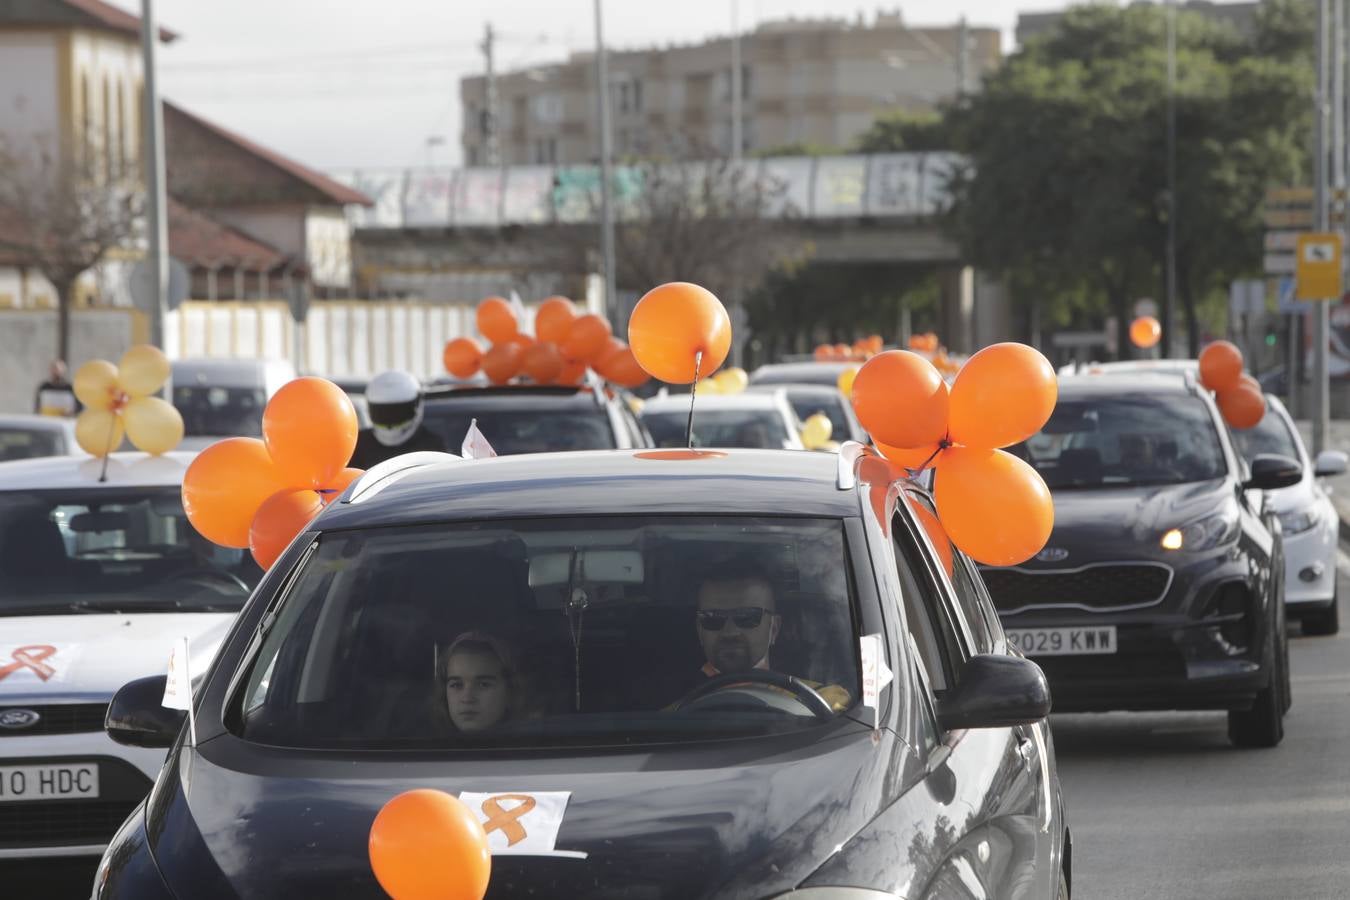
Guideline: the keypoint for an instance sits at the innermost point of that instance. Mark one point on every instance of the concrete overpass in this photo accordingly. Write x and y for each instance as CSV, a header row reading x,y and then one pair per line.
x,y
456,234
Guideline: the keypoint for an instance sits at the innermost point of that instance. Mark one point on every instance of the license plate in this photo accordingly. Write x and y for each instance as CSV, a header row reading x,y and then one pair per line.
x,y
1063,641
69,781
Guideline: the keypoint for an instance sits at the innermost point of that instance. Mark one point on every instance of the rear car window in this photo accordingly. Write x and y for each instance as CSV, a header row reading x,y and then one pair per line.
x,y
27,443
806,405
212,411
524,430
553,632
124,550
753,428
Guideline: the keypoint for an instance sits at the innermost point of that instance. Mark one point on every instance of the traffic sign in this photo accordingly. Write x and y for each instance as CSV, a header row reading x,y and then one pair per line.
x,y
142,285
1318,266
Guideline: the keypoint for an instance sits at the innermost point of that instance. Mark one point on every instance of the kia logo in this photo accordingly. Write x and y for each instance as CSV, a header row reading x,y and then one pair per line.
x,y
1053,554
14,719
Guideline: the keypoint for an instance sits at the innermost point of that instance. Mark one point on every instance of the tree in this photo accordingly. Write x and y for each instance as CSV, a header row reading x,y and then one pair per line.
x,y
904,131
65,212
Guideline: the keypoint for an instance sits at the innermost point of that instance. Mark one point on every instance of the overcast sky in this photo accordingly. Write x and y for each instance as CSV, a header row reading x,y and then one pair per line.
x,y
340,85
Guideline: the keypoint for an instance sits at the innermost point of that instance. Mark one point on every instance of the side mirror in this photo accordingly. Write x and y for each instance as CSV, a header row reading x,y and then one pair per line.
x,y
995,692
1329,462
136,718
1270,472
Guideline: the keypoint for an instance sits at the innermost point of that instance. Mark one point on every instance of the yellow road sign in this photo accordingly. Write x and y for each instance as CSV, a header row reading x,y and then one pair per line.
x,y
1317,270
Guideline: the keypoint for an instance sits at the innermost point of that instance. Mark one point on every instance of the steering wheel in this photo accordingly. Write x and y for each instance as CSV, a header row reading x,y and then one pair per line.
x,y
800,690
207,575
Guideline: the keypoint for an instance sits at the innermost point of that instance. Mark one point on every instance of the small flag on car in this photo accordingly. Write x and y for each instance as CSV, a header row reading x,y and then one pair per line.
x,y
178,684
476,446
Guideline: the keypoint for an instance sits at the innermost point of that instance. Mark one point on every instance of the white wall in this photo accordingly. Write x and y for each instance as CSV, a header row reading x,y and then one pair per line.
x,y
28,345
328,247
30,109
282,227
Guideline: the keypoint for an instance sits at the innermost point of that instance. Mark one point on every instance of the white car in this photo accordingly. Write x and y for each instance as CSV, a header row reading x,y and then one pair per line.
x,y
99,577
30,436
1308,519
755,420
808,399
220,398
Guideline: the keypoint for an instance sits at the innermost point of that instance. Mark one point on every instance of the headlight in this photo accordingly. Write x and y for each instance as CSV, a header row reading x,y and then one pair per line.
x,y
1203,534
1296,521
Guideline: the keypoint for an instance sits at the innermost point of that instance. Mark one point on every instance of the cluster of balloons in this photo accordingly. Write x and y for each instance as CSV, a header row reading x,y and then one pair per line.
x,y
428,845
1238,394
244,492
118,403
862,349
1145,332
564,345
991,504
925,343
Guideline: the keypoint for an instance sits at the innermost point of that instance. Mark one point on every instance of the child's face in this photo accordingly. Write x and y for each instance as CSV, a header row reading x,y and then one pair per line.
x,y
476,691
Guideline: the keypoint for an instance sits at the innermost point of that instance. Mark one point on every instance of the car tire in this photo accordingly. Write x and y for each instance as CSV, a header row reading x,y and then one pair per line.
x,y
1324,621
1263,724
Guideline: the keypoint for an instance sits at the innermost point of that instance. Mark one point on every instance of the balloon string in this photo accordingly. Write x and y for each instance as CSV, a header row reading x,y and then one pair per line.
x,y
107,449
942,445
693,393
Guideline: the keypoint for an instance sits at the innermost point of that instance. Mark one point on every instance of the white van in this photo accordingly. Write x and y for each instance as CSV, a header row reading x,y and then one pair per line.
x,y
222,398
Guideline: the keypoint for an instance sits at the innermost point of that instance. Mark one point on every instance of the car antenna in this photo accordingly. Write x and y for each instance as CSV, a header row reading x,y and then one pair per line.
x,y
577,601
693,395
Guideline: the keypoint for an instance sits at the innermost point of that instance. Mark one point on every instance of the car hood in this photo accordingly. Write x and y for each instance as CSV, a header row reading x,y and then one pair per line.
x,y
726,821
43,657
1117,523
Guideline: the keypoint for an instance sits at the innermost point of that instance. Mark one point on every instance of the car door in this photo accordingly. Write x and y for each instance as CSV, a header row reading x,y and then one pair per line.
x,y
1002,849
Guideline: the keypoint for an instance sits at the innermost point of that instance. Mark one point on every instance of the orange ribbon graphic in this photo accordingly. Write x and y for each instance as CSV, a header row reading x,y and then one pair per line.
x,y
31,658
504,820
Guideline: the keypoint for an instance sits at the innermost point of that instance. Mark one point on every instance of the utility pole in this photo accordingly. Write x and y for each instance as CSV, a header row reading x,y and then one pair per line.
x,y
1321,314
157,217
1170,255
962,57
606,174
736,137
491,145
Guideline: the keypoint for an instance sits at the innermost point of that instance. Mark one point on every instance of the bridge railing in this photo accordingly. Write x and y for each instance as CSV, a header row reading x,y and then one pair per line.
x,y
899,185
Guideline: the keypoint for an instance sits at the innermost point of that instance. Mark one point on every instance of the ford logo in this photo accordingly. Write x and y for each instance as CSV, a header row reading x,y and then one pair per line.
x,y
1053,554
14,719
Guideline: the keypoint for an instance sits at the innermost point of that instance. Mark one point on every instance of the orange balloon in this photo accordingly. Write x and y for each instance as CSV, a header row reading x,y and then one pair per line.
x,y
281,517
502,362
823,353
1242,407
524,341
333,489
1220,366
1145,332
1252,383
572,373
224,486
587,338
992,505
310,429
497,320
674,323
462,357
622,368
542,361
428,845
553,319
901,400
874,343
931,342
843,351
1004,394
916,458
942,544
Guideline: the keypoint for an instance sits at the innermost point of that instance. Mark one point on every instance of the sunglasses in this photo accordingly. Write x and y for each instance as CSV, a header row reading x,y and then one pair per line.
x,y
745,618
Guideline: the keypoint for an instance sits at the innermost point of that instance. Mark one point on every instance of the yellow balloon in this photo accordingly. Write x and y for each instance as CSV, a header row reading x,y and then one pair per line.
x,y
96,384
846,380
153,425
99,431
143,370
816,431
732,381
709,386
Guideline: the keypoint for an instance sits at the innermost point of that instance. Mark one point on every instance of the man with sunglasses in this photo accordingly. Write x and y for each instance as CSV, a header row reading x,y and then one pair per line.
x,y
738,623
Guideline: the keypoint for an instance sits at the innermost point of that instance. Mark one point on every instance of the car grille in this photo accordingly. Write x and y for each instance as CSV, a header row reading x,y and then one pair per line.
x,y
59,718
1099,587
56,823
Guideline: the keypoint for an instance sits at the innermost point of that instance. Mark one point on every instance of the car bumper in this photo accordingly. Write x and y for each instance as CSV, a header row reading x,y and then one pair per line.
x,y
74,827
1310,566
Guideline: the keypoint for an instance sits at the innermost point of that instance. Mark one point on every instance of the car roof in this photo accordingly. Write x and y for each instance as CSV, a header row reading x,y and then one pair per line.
x,y
522,396
1125,383
602,482
800,372
744,400
66,472
1133,366
820,389
37,423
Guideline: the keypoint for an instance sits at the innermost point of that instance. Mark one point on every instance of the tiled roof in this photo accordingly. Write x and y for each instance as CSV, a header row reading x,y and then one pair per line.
x,y
93,13
200,241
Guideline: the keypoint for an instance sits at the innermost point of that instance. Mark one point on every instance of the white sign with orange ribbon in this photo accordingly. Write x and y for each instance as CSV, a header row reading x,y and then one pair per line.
x,y
36,663
522,823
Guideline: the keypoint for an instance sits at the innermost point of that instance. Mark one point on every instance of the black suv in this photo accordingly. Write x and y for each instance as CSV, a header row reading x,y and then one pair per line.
x,y
1162,585
536,419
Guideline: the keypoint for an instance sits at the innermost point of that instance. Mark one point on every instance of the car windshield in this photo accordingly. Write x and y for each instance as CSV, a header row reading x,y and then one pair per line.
x,y
755,428
544,632
806,404
1122,441
1271,435
524,430
123,550
221,411
26,443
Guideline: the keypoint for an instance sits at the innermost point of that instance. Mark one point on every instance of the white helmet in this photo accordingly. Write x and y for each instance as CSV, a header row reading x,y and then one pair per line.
x,y
395,401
